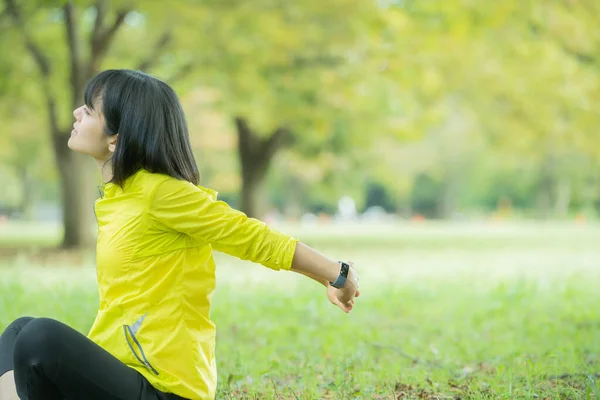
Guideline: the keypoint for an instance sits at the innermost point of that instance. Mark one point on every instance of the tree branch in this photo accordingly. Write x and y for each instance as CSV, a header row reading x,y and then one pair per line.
x,y
75,53
159,46
260,149
110,32
101,7
302,62
42,62
279,138
181,73
581,57
102,35
40,58
52,114
245,136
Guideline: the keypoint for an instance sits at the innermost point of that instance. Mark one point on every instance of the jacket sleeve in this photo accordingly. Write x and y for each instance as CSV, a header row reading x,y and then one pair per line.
x,y
183,207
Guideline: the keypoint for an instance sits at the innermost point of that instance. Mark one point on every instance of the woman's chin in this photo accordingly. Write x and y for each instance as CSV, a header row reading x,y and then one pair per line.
x,y
72,144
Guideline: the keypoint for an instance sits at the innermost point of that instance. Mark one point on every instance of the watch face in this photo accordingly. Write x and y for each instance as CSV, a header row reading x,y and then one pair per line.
x,y
344,270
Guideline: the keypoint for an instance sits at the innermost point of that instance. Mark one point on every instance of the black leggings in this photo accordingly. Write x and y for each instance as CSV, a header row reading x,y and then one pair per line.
x,y
52,361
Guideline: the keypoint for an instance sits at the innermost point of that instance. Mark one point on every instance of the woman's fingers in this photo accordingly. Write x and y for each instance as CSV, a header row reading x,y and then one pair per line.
x,y
345,307
342,307
342,298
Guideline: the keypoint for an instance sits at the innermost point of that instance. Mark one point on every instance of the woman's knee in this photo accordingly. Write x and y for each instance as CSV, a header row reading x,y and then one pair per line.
x,y
18,324
37,340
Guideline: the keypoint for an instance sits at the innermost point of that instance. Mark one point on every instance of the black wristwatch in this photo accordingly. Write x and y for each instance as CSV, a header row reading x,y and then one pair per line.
x,y
340,282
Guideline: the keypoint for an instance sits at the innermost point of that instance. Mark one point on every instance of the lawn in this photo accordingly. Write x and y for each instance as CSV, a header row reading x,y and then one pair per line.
x,y
447,311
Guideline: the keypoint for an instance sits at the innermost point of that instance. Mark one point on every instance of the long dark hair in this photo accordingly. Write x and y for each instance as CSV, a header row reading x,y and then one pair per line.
x,y
147,115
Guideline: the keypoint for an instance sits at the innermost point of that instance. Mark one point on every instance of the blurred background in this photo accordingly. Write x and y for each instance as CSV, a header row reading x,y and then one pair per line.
x,y
320,111
449,148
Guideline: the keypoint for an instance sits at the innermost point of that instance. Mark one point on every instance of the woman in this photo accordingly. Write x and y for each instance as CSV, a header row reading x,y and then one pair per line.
x,y
152,337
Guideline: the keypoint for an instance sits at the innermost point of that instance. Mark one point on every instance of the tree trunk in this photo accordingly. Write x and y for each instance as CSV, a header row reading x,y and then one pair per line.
x,y
447,200
563,198
253,190
449,192
25,207
77,182
256,154
76,172
546,188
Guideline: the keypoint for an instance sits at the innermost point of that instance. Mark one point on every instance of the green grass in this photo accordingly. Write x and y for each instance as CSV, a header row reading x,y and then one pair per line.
x,y
447,311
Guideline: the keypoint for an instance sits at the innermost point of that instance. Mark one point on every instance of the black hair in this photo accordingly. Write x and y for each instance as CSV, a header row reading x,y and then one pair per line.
x,y
147,115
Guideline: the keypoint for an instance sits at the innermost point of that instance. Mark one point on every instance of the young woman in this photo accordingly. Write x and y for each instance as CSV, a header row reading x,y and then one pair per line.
x,y
152,337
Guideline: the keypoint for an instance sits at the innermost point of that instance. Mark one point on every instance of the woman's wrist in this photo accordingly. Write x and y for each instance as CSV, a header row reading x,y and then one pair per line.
x,y
352,278
309,261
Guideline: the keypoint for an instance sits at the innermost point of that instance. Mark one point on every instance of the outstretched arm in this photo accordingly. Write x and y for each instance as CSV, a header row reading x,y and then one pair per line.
x,y
195,211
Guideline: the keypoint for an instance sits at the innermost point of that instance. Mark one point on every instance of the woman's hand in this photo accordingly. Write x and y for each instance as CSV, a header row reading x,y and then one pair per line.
x,y
316,266
344,297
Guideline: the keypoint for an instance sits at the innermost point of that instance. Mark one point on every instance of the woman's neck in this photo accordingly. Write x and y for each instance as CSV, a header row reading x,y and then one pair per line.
x,y
106,170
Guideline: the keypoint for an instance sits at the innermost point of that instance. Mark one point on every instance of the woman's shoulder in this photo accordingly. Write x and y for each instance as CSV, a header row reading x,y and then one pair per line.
x,y
161,186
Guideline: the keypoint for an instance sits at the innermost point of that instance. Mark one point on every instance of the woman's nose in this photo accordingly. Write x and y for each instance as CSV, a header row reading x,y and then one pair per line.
x,y
76,113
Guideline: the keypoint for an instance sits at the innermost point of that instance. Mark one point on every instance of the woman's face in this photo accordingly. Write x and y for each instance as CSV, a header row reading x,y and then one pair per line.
x,y
88,137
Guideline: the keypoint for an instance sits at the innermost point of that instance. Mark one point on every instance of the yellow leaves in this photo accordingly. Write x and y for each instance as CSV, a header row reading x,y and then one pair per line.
x,y
503,12
403,129
384,72
431,80
394,20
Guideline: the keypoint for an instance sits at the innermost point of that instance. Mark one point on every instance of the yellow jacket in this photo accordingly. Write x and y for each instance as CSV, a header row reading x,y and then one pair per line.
x,y
156,276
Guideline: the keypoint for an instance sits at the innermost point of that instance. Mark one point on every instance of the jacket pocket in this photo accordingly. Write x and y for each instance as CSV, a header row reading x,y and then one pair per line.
x,y
135,346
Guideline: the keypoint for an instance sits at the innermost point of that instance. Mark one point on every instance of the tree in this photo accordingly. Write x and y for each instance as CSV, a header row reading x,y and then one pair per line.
x,y
547,101
288,73
75,171
81,51
529,86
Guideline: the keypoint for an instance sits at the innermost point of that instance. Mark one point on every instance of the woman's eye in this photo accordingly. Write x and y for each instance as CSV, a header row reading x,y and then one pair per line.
x,y
85,110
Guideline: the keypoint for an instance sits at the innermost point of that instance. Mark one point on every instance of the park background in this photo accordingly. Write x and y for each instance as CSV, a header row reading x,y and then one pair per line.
x,y
449,148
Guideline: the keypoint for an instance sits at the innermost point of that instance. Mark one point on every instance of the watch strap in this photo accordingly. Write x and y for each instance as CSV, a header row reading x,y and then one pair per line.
x,y
340,282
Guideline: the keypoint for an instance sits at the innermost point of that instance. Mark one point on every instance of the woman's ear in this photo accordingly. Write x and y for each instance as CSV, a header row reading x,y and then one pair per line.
x,y
112,144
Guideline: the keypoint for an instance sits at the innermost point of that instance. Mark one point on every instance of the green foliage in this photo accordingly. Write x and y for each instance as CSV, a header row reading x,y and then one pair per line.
x,y
489,100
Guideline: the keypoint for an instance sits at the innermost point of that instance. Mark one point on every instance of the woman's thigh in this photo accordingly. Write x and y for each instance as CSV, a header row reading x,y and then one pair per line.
x,y
54,361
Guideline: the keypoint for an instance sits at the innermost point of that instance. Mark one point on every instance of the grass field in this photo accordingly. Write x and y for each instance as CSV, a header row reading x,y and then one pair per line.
x,y
469,311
